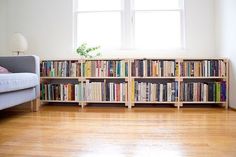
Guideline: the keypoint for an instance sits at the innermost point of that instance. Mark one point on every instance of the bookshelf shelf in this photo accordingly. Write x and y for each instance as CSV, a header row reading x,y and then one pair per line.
x,y
155,102
173,81
45,101
210,77
154,77
48,78
203,102
106,77
107,102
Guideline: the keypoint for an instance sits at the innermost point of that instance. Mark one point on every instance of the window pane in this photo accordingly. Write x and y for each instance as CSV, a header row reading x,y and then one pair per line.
x,y
91,5
158,30
156,4
102,29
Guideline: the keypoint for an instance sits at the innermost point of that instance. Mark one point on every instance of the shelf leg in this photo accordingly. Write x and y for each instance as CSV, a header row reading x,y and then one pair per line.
x,y
226,106
82,104
180,105
132,104
176,105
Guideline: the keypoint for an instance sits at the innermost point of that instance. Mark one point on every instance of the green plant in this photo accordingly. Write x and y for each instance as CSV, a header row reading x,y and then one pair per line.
x,y
85,51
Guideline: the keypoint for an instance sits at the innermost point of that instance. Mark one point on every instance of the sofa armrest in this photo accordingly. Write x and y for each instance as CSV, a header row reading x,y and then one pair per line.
x,y
19,64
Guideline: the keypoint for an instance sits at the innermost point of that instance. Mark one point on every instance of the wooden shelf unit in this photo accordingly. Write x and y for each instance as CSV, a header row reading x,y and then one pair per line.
x,y
208,79
129,79
82,79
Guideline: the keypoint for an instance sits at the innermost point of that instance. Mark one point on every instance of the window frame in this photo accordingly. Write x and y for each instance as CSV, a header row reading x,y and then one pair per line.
x,y
128,23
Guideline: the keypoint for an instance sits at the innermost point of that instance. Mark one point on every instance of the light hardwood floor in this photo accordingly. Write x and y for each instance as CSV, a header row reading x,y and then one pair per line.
x,y
118,132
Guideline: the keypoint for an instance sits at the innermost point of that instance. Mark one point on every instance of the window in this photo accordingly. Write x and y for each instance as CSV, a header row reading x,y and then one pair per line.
x,y
129,24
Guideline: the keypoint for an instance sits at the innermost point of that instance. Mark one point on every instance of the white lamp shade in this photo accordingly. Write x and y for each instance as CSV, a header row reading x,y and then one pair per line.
x,y
18,43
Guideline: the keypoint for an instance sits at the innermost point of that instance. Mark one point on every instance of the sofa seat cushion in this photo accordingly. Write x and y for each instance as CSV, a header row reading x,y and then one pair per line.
x,y
17,81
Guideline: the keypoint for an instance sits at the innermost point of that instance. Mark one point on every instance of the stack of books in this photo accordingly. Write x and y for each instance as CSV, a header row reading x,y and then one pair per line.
x,y
100,91
161,92
209,91
102,68
153,68
206,68
60,69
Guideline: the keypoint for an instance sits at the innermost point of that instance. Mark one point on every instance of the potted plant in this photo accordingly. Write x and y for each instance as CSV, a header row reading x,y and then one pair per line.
x,y
88,52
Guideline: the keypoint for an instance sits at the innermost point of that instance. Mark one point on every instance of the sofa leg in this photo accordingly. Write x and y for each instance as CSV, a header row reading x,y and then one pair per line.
x,y
35,104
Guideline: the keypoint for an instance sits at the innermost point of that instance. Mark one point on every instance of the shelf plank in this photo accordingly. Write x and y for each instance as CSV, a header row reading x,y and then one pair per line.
x,y
83,101
106,102
60,101
48,78
202,102
105,77
210,77
154,77
154,102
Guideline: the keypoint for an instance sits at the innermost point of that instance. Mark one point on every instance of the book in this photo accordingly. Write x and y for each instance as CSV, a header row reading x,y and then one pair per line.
x,y
163,92
61,92
203,91
60,69
153,68
101,68
100,91
205,68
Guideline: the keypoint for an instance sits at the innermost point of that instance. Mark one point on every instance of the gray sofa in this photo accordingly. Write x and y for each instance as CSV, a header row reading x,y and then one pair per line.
x,y
22,84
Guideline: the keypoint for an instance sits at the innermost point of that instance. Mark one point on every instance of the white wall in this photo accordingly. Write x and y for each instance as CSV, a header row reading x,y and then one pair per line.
x,y
3,27
47,24
226,39
200,32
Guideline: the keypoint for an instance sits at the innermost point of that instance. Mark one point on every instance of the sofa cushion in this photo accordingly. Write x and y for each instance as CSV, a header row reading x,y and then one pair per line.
x,y
17,81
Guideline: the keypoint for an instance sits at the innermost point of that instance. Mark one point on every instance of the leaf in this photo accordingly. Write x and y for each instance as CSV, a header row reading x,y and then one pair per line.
x,y
85,51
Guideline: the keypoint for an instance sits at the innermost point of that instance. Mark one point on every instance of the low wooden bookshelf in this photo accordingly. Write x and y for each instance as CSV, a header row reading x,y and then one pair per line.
x,y
93,75
136,81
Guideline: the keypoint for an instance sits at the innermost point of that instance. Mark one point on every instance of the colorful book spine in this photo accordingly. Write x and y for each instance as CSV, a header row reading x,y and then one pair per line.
x,y
60,92
60,69
207,91
152,92
205,68
100,91
100,68
153,68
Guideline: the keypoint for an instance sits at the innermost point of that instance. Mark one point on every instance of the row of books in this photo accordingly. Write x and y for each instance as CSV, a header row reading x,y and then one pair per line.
x,y
206,68
162,92
100,91
113,68
139,68
210,91
89,91
61,92
60,69
141,91
153,68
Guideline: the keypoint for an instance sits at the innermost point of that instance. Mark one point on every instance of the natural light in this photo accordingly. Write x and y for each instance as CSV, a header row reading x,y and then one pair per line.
x,y
135,24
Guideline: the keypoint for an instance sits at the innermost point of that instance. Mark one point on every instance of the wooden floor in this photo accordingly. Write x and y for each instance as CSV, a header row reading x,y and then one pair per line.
x,y
118,132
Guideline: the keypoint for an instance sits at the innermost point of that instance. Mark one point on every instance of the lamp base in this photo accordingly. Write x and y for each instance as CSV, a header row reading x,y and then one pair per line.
x,y
17,53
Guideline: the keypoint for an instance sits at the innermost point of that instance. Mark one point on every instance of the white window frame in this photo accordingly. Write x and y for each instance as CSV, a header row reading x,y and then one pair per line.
x,y
128,23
